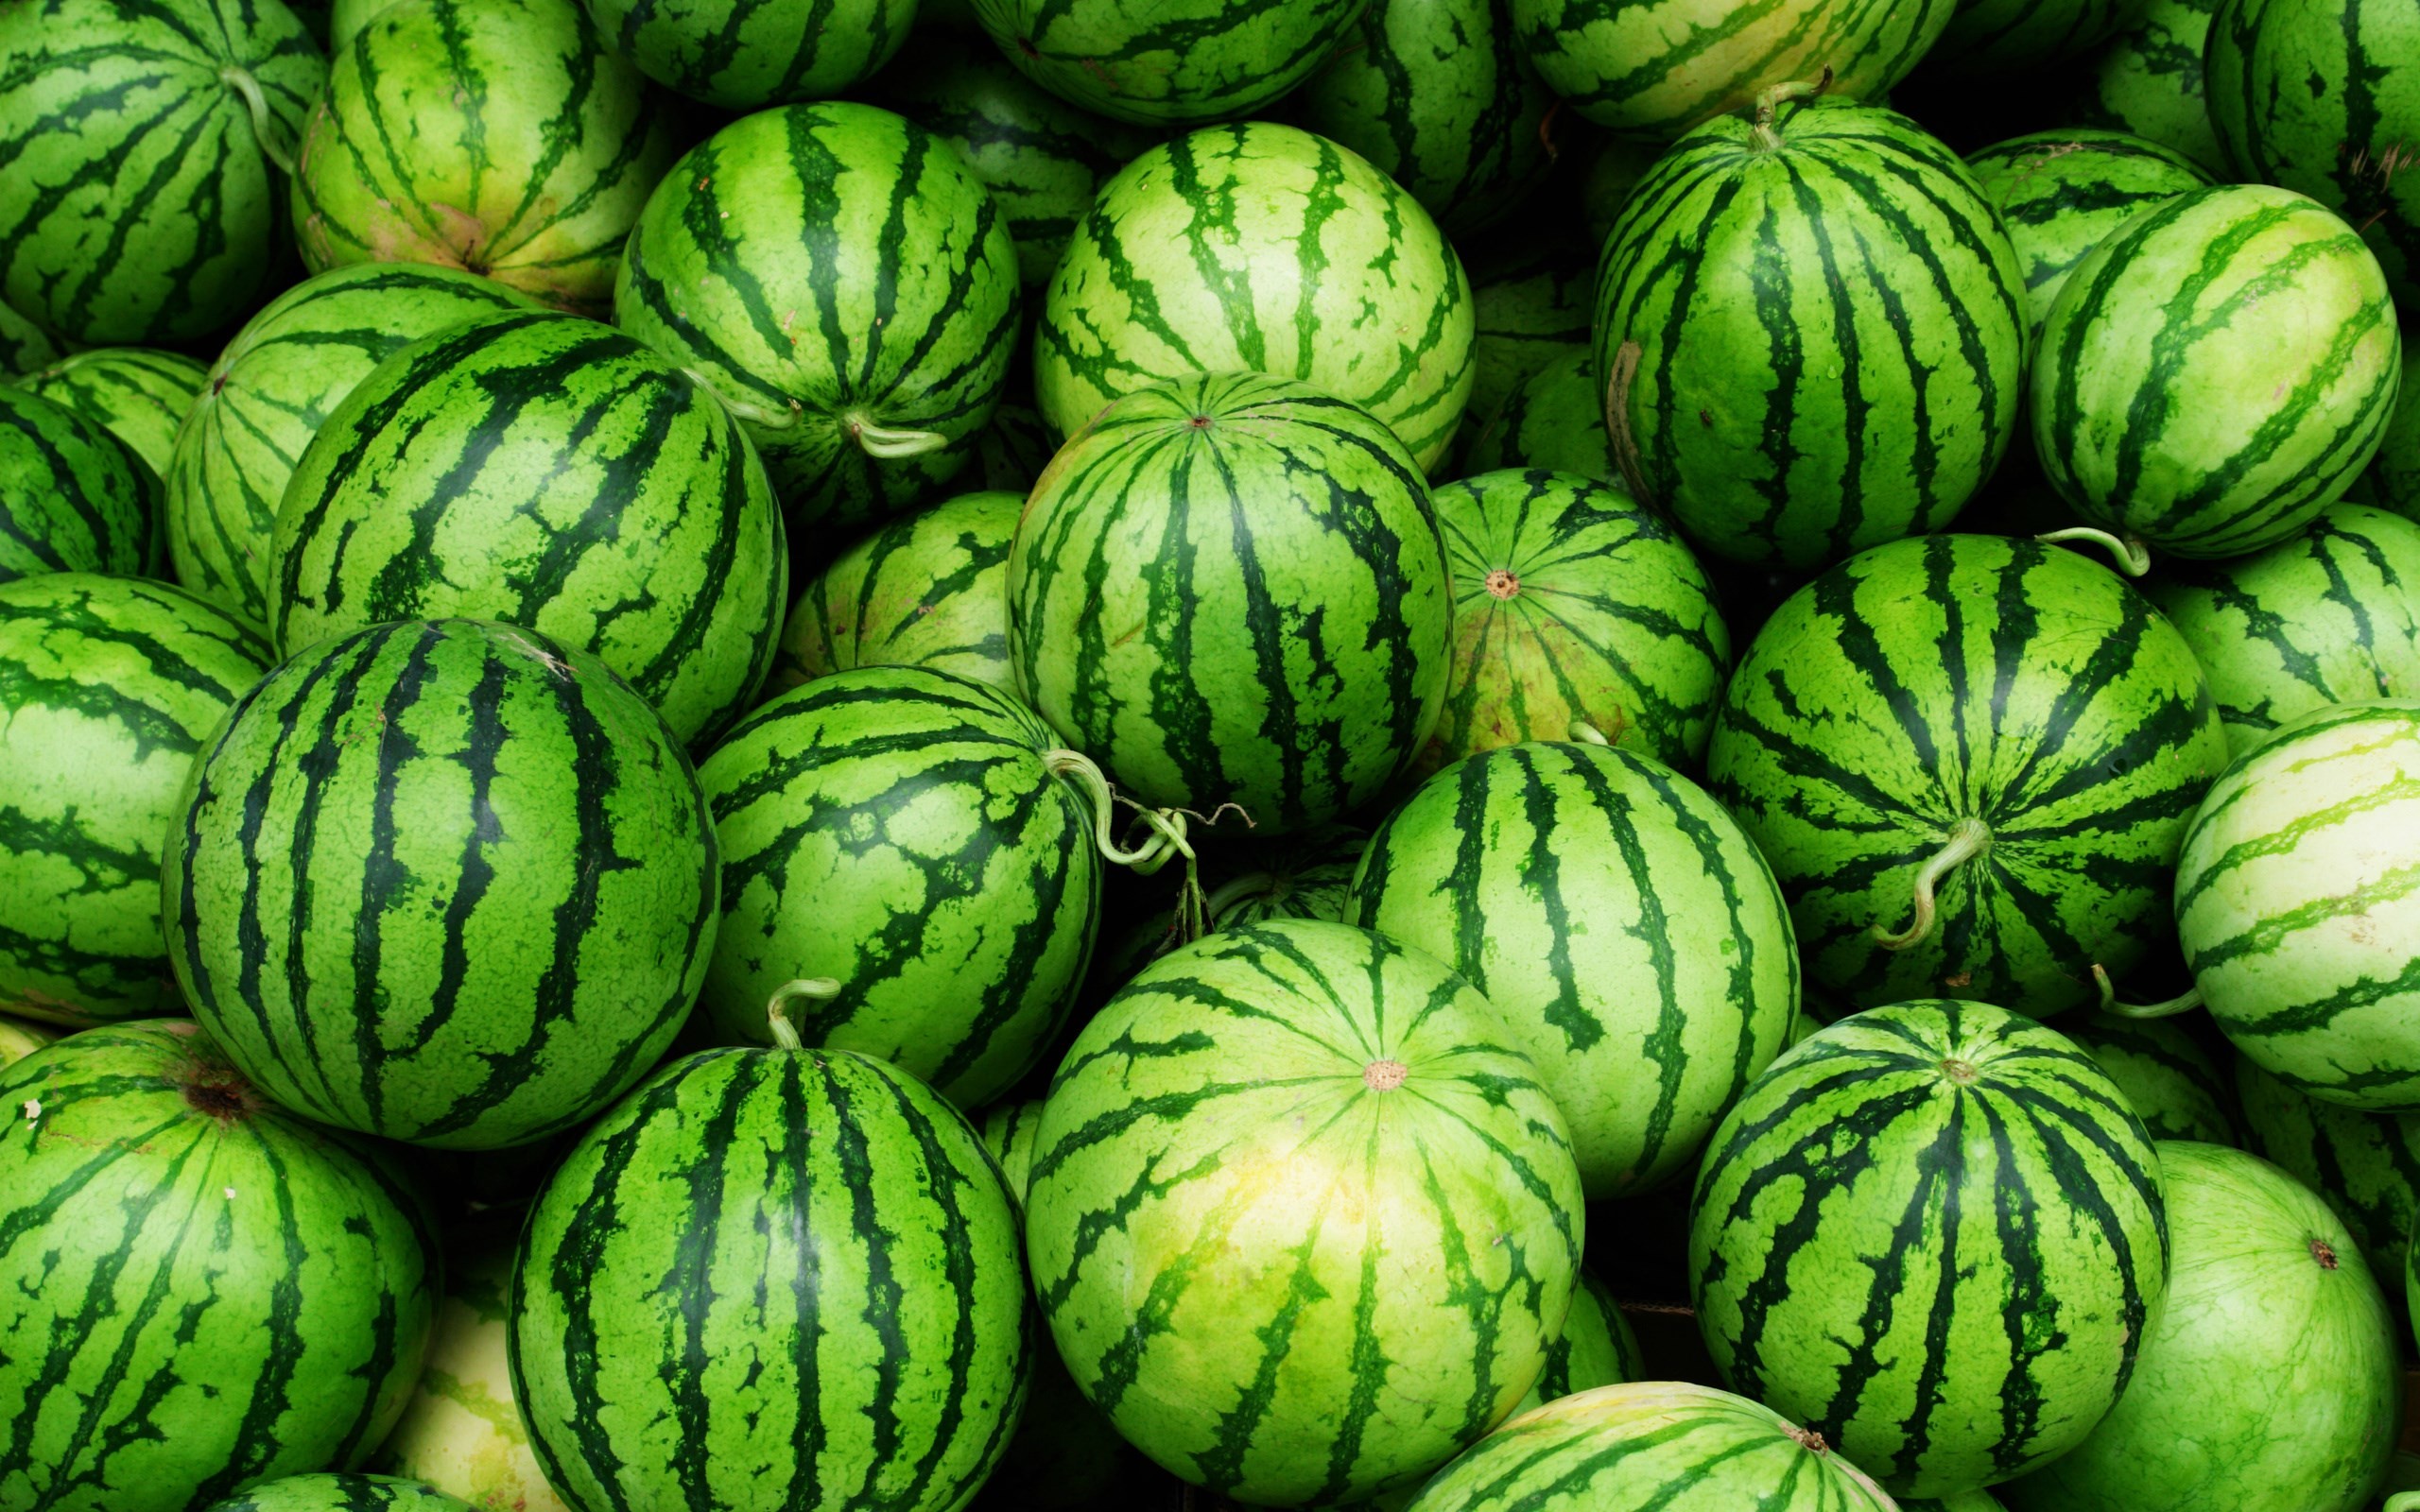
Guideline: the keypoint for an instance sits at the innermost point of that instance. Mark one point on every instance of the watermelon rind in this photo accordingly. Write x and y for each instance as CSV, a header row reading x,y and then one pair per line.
x,y
2365,1165
137,395
2061,193
2148,81
1173,63
926,590
343,1493
2169,1079
1553,421
744,55
73,497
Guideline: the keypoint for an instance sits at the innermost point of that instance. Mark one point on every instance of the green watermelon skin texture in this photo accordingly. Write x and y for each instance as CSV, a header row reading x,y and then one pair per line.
x,y
1553,421
1260,248
2061,193
834,265
1305,876
2366,1165
72,499
444,882
744,55
24,347
140,396
926,590
2168,1080
767,1270
2148,81
1532,297
1596,1349
140,205
1970,677
1934,1234
2393,480
1302,1223
1232,591
1784,421
343,1493
1168,63
1994,39
112,686
544,470
2216,373
211,1291
897,831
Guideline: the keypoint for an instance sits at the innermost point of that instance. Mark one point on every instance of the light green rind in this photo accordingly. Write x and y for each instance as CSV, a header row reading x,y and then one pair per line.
x,y
72,498
1553,420
1173,63
140,396
2061,193
2365,1165
744,55
928,590
2168,1082
2149,81
1007,1131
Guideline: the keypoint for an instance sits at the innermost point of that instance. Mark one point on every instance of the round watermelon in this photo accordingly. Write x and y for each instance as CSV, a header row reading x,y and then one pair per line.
x,y
343,1493
206,1291
140,396
1553,420
744,55
1301,1221
1171,62
1231,590
1258,248
2016,36
2366,1165
2148,81
1305,876
2061,193
926,590
72,499
544,470
1934,1232
1530,305
451,883
1596,1349
1971,760
1810,329
2168,1080
109,689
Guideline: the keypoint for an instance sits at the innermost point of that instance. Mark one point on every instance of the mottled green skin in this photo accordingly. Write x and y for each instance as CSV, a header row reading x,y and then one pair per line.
x,y
1573,609
24,347
343,1493
1970,677
2216,373
1553,420
1672,1445
140,205
72,499
109,687
544,470
1308,876
1232,591
2061,193
2148,81
1175,63
1530,297
744,55
1596,1349
927,590
2297,901
1303,1223
2328,616
537,188
771,1270
2394,479
1830,334
1261,249
1621,922
140,396
447,883
2168,1082
843,265
207,1291
2270,1379
1933,1233
1998,38
897,831
2366,1165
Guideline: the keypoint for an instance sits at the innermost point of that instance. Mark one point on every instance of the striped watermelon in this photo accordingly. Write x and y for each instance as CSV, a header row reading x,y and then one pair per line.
x,y
2268,1380
909,835
1621,922
2168,1080
546,470
1010,453
145,144
1596,1349
2061,193
865,232
772,1279
347,17
2367,1165
138,396
1553,420
72,499
536,188
2328,616
1303,1225
24,347
1263,249
1669,1445
2393,480
450,883
2298,900
2001,37
1007,1132
1971,760
19,1039
108,688
1231,590
2216,373
1576,613
1171,62
743,55
1305,876
343,1493
1934,1232
2148,81
1810,331
206,1291
1530,302
928,590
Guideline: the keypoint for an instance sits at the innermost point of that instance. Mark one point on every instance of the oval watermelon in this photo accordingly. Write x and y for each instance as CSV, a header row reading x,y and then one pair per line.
x,y
926,590
2168,1080
72,499
139,396
1171,63
2061,193
2148,81
744,55
343,1493
1553,421
2366,1165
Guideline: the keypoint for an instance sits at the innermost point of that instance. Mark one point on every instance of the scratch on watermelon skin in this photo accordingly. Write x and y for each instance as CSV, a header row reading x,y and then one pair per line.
x,y
2149,81
928,590
140,396
744,55
1175,62
72,498
2061,193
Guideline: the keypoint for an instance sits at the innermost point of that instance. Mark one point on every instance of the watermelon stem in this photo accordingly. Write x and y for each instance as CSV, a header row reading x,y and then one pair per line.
x,y
1767,137
1587,735
1167,839
777,1007
2405,1501
2184,1003
244,84
2133,557
882,442
755,414
1969,839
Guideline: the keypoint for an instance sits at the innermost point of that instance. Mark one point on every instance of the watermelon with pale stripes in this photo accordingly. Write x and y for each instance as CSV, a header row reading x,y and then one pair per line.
x,y
2148,81
208,1291
72,498
2061,193
1171,62
744,55
2168,1079
1934,1232
2367,1165
139,396
1553,420
446,882
2015,37
343,1493
926,590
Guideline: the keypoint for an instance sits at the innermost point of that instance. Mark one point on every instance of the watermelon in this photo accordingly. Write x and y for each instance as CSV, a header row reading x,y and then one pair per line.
x,y
2297,901
343,1493
2216,373
1531,296
1553,420
2061,193
536,187
24,347
1971,760
147,146
347,17
2329,616
331,885
72,499
1010,453
927,590
2269,1381
544,470
1577,614
138,396
1810,329
2148,81
108,688
1596,1349
206,1291
2366,1165
772,1279
2167,1079
1303,1223
870,234
1007,1132
1669,1445
1263,249
2393,480
1621,922
1999,37
1933,1231
1231,590
1173,63
1306,876
19,1039
744,55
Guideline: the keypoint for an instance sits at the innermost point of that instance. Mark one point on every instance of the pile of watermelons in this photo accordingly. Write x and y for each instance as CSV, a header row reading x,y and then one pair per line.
x,y
1172,755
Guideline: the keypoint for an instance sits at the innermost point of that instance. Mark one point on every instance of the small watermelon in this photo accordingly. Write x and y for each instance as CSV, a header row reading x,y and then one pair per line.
x,y
1306,876
744,55
72,498
2167,1079
1596,1349
1553,421
1171,62
2061,193
2148,81
2366,1165
2005,37
1531,304
926,590
343,1493
140,396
